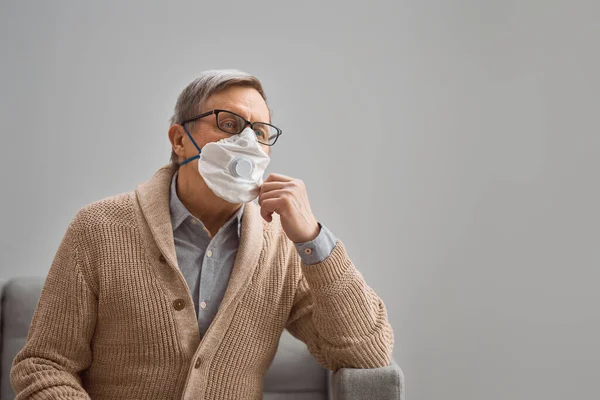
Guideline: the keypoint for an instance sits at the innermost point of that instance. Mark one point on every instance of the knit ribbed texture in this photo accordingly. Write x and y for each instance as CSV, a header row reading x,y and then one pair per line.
x,y
116,321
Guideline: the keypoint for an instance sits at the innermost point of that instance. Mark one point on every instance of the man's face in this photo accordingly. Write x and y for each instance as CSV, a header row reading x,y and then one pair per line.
x,y
241,100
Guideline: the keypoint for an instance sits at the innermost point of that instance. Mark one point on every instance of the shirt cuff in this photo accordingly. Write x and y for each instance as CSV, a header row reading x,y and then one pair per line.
x,y
318,249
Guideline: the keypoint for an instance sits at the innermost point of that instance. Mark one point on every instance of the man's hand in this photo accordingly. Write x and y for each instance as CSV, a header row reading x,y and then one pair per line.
x,y
288,198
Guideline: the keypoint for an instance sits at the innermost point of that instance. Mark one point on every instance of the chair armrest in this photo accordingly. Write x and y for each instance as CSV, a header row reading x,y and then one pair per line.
x,y
385,383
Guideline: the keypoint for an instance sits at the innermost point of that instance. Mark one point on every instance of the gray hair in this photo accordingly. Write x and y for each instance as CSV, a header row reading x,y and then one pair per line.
x,y
192,98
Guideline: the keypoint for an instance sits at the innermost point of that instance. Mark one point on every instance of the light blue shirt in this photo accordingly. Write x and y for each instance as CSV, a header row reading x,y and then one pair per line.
x,y
206,263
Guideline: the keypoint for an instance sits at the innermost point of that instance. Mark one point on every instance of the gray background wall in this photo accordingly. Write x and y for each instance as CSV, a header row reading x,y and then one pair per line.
x,y
451,145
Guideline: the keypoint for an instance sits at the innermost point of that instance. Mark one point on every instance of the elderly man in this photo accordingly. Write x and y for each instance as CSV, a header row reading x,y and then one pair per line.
x,y
182,288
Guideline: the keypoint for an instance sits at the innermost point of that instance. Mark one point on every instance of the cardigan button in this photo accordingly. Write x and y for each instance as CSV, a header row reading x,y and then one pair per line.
x,y
162,259
179,304
197,365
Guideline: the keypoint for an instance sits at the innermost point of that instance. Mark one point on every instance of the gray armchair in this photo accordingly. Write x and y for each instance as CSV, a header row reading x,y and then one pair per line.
x,y
294,374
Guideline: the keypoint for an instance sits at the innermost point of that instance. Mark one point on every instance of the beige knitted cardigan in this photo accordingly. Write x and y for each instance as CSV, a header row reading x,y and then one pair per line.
x,y
116,320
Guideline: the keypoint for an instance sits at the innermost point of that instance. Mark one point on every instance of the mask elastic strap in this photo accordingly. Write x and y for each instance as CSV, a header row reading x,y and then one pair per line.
x,y
194,142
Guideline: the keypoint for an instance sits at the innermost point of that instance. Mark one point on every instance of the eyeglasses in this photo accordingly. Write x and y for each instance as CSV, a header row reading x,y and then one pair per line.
x,y
234,124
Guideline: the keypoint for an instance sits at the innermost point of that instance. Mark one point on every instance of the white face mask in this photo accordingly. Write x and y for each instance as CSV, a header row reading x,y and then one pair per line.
x,y
233,167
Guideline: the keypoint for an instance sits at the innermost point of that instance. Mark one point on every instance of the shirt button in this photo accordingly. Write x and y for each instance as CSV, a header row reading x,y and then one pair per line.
x,y
197,364
179,304
209,253
195,222
203,305
308,250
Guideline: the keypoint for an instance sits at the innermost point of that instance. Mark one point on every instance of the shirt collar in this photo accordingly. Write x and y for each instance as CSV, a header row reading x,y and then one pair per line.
x,y
179,213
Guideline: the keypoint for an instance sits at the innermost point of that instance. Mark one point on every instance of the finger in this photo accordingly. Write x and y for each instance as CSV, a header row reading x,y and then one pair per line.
x,y
278,178
270,206
273,194
268,186
267,209
267,216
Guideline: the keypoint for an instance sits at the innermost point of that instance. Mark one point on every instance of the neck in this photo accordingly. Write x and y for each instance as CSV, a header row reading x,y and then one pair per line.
x,y
201,202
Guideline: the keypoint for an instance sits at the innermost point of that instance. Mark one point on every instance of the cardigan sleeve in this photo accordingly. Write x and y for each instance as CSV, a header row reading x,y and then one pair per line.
x,y
57,348
338,316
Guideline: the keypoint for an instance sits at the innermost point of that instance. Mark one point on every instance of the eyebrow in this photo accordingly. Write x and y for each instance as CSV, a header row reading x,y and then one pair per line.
x,y
237,110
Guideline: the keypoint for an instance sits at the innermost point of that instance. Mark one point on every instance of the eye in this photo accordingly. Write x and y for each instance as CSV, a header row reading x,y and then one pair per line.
x,y
262,131
229,124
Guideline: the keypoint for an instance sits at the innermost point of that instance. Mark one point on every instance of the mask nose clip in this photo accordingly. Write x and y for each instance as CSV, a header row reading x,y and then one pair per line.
x,y
241,167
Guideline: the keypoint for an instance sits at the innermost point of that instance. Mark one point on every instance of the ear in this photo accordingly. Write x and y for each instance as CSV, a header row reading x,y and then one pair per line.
x,y
176,136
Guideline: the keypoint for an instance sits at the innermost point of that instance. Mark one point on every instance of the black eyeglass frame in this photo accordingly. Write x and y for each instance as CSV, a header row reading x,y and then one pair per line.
x,y
217,111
